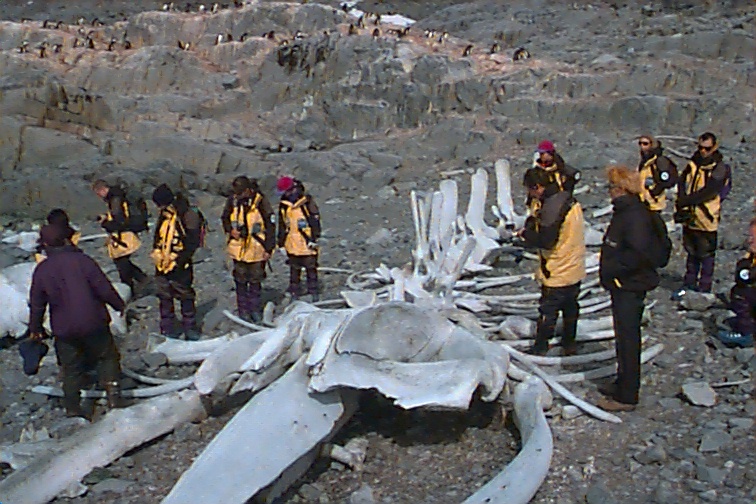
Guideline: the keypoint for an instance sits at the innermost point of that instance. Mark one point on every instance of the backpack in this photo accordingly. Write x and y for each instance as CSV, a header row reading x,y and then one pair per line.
x,y
138,214
661,250
727,186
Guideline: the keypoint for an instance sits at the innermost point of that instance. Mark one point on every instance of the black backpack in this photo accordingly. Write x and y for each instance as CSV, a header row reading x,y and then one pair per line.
x,y
661,250
138,214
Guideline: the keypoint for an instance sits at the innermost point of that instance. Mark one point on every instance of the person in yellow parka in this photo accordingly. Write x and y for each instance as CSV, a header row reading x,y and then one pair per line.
x,y
298,233
657,173
58,217
557,231
248,222
122,240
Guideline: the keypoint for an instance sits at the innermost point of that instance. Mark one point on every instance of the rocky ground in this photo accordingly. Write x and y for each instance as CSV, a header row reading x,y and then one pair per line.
x,y
362,120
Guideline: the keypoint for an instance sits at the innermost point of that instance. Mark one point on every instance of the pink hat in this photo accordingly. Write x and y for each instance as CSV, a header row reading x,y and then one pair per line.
x,y
546,146
284,184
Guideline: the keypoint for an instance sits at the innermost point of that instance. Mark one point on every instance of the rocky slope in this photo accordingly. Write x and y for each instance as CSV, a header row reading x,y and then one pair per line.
x,y
362,119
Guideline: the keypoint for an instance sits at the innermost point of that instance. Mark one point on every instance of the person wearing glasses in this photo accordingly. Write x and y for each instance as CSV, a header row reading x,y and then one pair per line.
x,y
698,210
657,173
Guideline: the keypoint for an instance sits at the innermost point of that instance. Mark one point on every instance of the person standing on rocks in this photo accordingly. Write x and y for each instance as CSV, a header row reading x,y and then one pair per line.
x,y
657,173
743,298
698,210
248,222
77,291
548,160
121,227
298,233
626,270
58,217
557,231
177,237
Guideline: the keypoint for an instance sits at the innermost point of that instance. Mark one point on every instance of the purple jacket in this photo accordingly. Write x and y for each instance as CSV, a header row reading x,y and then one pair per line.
x,y
76,289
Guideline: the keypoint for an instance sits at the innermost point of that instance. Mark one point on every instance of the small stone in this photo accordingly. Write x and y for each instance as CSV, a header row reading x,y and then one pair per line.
x,y
569,412
599,494
714,440
700,394
710,474
737,424
743,355
386,192
665,494
97,475
230,81
310,493
111,485
155,360
670,403
362,496
709,495
382,237
187,432
651,455
697,486
698,301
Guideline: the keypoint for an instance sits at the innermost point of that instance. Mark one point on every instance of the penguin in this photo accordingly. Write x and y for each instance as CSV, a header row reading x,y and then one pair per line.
x,y
167,7
283,43
430,33
46,24
59,25
495,48
97,22
520,54
214,8
81,21
77,43
442,38
238,4
25,20
24,47
90,43
376,33
243,37
467,51
188,8
271,35
377,20
81,31
42,48
345,7
352,30
299,35
202,9
126,44
184,46
229,37
361,22
57,48
404,32
111,44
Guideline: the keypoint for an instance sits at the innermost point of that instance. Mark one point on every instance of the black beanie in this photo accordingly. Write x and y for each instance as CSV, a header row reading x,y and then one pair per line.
x,y
162,195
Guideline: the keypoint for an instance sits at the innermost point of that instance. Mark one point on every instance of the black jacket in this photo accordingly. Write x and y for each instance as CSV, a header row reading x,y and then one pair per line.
x,y
542,231
625,262
115,200
663,172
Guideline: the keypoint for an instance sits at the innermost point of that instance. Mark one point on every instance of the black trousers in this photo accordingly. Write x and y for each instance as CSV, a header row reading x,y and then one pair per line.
x,y
296,265
627,312
554,300
176,284
77,356
129,272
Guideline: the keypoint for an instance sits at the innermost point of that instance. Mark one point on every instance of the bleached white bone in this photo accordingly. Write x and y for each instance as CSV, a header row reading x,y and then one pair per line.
x,y
504,201
180,351
98,445
476,206
520,480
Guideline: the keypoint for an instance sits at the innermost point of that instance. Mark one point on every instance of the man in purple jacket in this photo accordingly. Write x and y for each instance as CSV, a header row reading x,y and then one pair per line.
x,y
77,290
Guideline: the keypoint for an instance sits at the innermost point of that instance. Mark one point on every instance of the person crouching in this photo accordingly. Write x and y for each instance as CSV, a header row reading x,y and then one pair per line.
x,y
177,237
248,222
743,298
557,231
298,233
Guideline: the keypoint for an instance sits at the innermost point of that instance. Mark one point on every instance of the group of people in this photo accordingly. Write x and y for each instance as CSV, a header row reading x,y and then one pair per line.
x,y
634,248
77,291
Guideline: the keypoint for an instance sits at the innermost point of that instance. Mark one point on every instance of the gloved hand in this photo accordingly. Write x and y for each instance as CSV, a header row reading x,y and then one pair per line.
x,y
648,183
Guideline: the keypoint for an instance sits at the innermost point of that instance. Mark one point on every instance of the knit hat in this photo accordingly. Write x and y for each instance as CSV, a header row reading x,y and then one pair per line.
x,y
51,235
546,146
284,184
32,352
162,195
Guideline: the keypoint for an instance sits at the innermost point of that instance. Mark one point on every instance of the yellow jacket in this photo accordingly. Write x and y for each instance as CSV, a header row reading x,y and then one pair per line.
x,y
250,222
697,181
299,235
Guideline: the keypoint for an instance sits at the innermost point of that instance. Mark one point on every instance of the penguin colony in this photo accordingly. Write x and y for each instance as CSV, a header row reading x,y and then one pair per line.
x,y
368,23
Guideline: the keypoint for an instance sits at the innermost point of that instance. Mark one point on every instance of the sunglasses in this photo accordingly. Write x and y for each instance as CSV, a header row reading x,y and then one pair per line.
x,y
705,149
644,143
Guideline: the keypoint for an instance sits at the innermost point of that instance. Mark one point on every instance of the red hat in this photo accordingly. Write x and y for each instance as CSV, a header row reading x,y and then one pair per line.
x,y
284,184
546,146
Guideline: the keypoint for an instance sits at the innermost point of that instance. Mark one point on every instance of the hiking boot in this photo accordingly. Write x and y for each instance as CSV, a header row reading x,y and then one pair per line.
x,y
192,335
735,339
608,404
608,390
538,350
